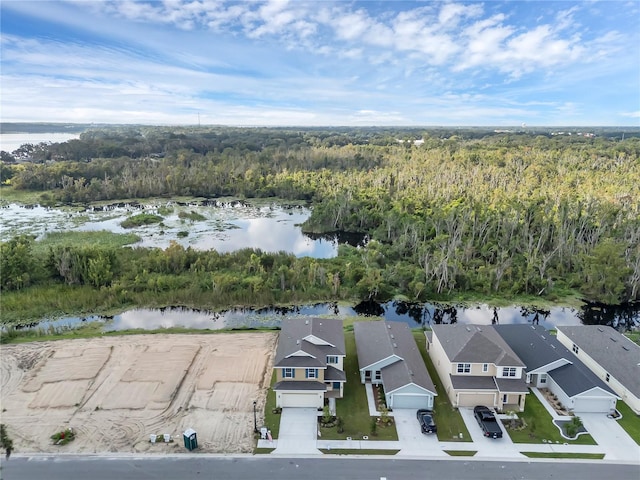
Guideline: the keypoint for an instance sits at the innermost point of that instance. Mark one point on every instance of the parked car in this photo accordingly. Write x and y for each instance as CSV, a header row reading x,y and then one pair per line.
x,y
425,418
487,421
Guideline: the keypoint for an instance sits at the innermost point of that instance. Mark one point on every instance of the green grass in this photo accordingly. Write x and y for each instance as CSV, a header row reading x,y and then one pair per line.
x,y
460,453
540,426
591,456
630,422
353,408
103,239
271,420
448,419
356,451
633,336
9,194
141,219
262,451
193,216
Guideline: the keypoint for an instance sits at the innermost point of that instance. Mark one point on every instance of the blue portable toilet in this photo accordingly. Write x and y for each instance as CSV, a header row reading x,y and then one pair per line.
x,y
190,439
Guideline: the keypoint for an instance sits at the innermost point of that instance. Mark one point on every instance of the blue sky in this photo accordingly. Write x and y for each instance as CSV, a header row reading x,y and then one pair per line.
x,y
321,62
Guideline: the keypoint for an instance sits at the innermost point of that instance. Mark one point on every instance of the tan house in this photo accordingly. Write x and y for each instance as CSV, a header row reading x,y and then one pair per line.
x,y
309,363
611,356
477,367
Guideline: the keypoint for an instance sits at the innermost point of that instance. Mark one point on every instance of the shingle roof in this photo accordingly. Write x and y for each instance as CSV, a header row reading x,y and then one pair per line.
x,y
533,343
301,385
377,341
614,352
293,335
475,344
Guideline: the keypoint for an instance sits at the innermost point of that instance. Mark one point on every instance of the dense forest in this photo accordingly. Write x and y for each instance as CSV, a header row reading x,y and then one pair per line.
x,y
447,213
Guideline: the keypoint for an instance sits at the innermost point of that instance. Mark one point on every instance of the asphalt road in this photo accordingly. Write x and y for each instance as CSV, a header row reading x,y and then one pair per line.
x,y
265,467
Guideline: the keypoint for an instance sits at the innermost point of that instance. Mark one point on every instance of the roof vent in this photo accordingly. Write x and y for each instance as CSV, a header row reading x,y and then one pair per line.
x,y
468,329
411,372
392,336
625,347
613,339
600,330
395,345
388,326
306,322
297,342
553,346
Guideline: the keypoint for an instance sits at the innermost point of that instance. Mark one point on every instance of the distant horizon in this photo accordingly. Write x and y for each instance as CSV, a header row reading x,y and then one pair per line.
x,y
304,63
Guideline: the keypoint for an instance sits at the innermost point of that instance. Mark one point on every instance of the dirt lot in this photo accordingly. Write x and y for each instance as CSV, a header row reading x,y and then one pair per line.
x,y
116,391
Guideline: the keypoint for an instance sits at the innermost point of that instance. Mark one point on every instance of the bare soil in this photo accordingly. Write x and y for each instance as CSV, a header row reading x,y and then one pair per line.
x,y
117,391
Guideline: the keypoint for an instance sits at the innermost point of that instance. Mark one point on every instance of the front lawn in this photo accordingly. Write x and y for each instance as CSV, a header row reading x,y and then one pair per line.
x,y
271,419
629,421
448,419
540,426
590,456
353,407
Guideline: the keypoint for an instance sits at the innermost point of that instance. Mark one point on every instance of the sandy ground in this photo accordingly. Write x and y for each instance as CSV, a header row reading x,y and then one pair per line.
x,y
117,391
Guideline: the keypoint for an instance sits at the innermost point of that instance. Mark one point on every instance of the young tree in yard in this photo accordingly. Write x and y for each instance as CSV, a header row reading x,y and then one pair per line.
x,y
17,263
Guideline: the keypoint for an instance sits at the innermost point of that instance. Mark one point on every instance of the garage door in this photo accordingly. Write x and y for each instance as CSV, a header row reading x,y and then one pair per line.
x,y
593,405
410,401
301,400
473,399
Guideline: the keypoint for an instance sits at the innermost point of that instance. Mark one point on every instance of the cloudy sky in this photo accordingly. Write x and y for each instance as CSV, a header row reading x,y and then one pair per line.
x,y
321,62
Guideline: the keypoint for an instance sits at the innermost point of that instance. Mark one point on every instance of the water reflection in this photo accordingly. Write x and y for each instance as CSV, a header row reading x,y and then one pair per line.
x,y
415,314
221,226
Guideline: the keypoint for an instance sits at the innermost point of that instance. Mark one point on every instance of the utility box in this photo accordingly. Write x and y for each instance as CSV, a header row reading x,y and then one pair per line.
x,y
190,439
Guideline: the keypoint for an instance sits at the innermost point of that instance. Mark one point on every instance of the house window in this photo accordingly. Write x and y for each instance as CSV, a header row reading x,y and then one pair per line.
x,y
378,375
332,359
607,377
464,368
509,372
288,373
336,385
311,373
543,378
485,367
575,349
505,398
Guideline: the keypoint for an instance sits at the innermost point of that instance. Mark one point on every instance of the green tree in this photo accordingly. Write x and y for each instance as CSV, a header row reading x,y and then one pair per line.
x,y
605,272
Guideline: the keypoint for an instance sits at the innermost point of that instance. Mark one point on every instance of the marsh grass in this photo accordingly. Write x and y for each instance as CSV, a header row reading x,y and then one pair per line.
x,y
103,239
140,220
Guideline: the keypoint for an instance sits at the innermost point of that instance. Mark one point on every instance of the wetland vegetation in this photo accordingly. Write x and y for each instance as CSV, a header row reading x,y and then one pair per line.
x,y
462,214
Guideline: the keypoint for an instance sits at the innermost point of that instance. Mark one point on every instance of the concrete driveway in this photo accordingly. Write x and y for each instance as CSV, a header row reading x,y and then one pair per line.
x,y
487,447
610,437
298,432
411,439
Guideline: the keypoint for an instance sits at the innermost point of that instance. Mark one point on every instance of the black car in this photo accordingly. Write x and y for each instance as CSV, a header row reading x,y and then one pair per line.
x,y
427,424
487,421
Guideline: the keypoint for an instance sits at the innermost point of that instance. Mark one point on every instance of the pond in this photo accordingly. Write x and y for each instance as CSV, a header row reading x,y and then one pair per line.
x,y
12,141
415,314
223,226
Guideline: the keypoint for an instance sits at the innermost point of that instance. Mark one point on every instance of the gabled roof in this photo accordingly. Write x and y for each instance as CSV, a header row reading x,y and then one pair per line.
x,y
376,341
614,352
307,342
475,344
535,346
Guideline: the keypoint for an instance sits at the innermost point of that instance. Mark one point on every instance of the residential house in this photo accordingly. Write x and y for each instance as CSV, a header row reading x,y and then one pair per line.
x,y
477,367
611,356
550,364
388,355
309,363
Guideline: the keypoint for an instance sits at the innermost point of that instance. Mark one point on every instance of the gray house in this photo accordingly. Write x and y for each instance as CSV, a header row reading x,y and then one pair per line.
x,y
388,356
614,358
549,364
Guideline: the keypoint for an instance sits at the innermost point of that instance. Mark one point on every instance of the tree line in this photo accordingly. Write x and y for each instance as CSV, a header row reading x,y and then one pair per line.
x,y
499,214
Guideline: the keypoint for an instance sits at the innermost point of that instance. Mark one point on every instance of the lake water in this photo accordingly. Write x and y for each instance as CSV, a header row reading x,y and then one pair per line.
x,y
224,227
12,141
414,314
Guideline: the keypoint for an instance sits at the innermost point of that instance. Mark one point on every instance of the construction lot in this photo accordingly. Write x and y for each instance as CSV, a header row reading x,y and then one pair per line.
x,y
114,392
